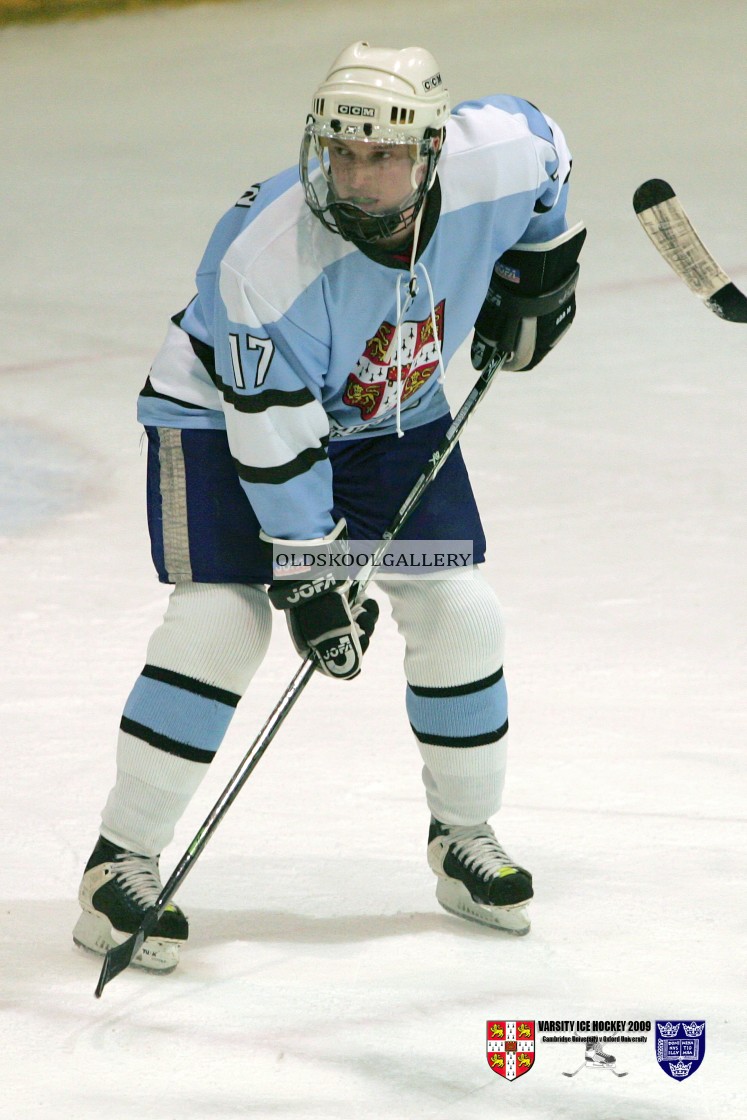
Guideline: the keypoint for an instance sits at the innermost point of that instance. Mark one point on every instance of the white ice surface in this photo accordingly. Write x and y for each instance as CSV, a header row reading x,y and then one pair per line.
x,y
321,979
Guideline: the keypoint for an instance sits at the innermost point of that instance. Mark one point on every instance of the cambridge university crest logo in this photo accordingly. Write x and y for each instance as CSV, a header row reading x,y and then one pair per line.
x,y
372,386
510,1047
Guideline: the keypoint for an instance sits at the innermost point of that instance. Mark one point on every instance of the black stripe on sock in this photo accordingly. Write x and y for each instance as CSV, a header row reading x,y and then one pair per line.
x,y
458,689
163,743
459,740
189,684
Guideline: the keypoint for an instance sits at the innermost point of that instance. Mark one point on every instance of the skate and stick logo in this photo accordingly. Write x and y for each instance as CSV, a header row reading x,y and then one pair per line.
x,y
510,1046
596,1057
680,1046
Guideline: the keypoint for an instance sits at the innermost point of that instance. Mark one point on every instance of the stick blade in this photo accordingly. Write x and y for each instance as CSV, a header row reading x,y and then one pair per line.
x,y
118,959
673,235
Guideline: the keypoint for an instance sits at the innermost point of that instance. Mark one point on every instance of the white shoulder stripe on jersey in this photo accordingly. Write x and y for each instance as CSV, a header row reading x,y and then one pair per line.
x,y
283,225
490,154
477,175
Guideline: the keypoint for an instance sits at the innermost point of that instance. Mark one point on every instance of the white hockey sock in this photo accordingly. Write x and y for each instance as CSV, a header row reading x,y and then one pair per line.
x,y
456,695
199,663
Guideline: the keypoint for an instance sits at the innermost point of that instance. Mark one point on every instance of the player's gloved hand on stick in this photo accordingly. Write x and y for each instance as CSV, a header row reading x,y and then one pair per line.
x,y
321,618
322,621
531,301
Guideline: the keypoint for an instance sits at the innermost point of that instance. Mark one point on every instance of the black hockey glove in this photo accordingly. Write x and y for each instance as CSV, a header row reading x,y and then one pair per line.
x,y
321,618
323,622
531,301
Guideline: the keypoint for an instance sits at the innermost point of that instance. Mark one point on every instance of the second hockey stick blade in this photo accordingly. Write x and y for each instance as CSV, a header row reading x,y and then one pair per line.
x,y
664,219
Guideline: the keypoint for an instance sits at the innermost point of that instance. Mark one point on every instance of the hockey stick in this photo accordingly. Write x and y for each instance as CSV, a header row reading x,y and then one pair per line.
x,y
120,957
590,1065
663,218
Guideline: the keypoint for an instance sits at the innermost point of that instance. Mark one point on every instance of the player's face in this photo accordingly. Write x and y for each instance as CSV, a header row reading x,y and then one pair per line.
x,y
376,177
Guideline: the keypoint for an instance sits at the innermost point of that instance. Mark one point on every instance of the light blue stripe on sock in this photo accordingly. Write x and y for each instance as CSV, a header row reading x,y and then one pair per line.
x,y
179,714
455,717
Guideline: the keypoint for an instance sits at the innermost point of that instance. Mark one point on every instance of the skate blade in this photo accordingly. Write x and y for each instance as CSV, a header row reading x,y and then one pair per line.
x,y
606,1065
455,898
94,933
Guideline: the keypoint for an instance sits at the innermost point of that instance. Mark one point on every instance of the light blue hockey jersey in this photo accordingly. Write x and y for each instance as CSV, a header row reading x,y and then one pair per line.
x,y
296,336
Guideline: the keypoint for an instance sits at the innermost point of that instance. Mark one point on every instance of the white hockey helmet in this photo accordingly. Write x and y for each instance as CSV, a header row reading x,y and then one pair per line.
x,y
375,95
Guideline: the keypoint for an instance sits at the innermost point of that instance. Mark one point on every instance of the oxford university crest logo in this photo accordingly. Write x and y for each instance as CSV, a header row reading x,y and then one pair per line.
x,y
510,1046
680,1046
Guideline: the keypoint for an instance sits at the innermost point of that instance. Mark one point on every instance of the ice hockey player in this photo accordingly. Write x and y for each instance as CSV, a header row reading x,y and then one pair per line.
x,y
297,399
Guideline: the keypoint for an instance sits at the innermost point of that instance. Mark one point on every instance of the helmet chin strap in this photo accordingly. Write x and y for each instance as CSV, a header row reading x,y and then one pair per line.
x,y
402,309
412,284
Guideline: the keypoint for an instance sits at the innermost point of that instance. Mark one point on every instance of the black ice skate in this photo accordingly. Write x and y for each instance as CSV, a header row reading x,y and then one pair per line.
x,y
476,879
117,889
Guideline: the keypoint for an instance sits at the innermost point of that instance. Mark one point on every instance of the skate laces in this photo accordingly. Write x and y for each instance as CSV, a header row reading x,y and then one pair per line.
x,y
139,877
478,849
